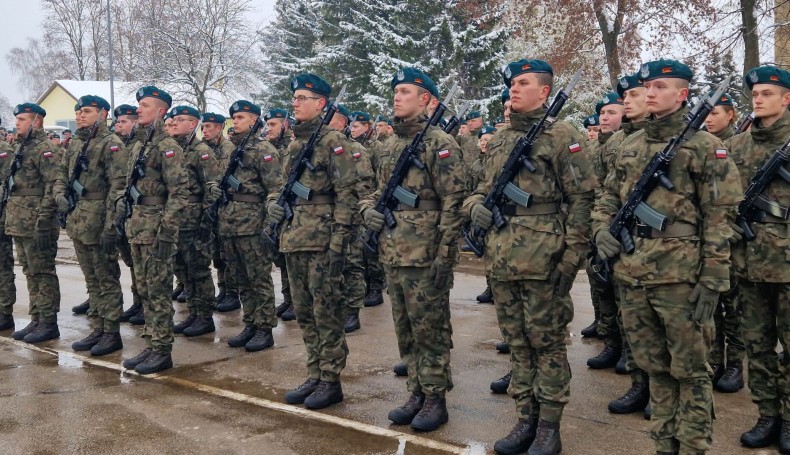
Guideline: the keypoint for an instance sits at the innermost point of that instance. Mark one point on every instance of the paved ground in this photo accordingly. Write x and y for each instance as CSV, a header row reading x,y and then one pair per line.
x,y
223,400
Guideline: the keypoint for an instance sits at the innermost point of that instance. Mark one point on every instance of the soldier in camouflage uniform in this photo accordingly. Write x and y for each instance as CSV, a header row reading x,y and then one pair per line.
x,y
762,263
468,142
314,241
374,272
7,277
152,229
670,285
194,233
532,294
278,127
240,224
90,225
30,220
419,253
228,297
592,126
476,170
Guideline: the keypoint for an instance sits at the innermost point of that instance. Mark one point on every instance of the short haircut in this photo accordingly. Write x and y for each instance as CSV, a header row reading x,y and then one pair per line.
x,y
546,79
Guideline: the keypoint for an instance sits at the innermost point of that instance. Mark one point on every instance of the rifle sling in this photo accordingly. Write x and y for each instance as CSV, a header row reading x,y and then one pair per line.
x,y
94,196
152,201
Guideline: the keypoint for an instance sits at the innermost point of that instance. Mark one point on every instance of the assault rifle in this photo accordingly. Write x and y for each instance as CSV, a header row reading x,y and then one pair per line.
x,y
75,190
755,205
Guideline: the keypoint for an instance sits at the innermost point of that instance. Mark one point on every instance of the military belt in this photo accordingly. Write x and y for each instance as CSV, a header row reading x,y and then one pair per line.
x,y
673,230
28,192
534,209
151,200
94,196
245,198
195,198
321,199
432,205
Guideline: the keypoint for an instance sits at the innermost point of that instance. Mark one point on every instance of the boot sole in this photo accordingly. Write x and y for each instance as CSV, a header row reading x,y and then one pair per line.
x,y
257,348
396,421
622,411
351,329
167,366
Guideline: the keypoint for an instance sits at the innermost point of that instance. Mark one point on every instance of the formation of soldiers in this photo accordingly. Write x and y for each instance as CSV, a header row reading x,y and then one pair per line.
x,y
688,298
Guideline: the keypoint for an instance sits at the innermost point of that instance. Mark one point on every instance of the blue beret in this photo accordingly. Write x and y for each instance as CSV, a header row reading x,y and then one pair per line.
x,y
505,96
724,100
186,110
359,116
665,68
525,66
93,101
497,121
383,118
768,75
76,107
486,130
66,131
609,98
150,91
276,113
124,109
170,114
244,106
591,121
210,117
29,108
628,82
473,115
312,83
415,77
344,111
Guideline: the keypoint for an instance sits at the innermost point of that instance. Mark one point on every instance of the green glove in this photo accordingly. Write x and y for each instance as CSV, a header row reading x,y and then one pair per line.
x,y
374,219
441,272
608,246
482,217
63,203
276,212
43,235
706,299
337,262
737,233
109,241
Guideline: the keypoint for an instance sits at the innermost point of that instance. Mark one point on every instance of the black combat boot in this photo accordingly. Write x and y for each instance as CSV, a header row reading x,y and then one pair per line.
x,y
201,326
44,331
281,308
288,314
784,438
403,415
261,340
134,309
519,439
325,394
432,415
500,385
242,338
82,308
352,322
109,343
591,331
486,296
177,291
179,328
648,412
635,400
230,303
298,395
6,321
154,363
20,334
184,296
547,439
732,379
718,372
503,348
621,367
139,318
220,297
606,359
764,433
89,341
400,369
130,364
374,298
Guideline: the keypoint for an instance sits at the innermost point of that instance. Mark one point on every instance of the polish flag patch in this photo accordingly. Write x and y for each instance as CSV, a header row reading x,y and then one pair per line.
x,y
444,154
338,150
721,154
575,148
357,155
4,155
170,153
114,148
47,154
204,157
267,158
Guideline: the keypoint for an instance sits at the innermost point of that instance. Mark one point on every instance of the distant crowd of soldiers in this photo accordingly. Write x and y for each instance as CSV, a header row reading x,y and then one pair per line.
x,y
684,234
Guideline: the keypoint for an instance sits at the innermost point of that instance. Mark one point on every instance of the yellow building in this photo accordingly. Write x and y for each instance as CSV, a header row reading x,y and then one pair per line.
x,y
61,97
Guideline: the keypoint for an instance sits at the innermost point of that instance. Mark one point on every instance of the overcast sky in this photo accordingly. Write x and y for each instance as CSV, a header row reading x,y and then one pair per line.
x,y
23,20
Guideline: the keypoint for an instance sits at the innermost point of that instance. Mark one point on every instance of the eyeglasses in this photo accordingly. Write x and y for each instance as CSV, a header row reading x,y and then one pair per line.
x,y
301,98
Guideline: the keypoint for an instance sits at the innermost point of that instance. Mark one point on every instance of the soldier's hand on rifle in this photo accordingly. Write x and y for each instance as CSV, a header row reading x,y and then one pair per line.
x,y
63,203
276,212
441,272
737,233
608,246
43,235
215,191
482,217
373,219
109,240
706,299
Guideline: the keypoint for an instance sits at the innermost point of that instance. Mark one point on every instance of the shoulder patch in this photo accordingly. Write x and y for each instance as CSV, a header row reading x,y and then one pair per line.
x,y
721,154
47,154
444,154
338,150
204,157
267,158
169,153
114,148
3,154
356,155
576,147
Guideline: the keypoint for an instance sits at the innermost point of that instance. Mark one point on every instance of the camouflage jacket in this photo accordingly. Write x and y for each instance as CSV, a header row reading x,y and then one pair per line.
x,y
166,178
6,158
706,192
261,176
202,168
38,172
726,133
315,227
422,235
378,153
477,171
469,146
367,178
222,149
281,150
106,174
764,259
529,247
604,159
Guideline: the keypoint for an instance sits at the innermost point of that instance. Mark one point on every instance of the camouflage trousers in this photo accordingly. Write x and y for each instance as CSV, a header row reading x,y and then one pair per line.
x,y
279,261
102,278
533,322
249,260
766,321
318,309
42,281
125,252
197,273
225,280
180,269
638,376
673,350
7,285
728,331
421,314
354,276
604,299
155,284
374,271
